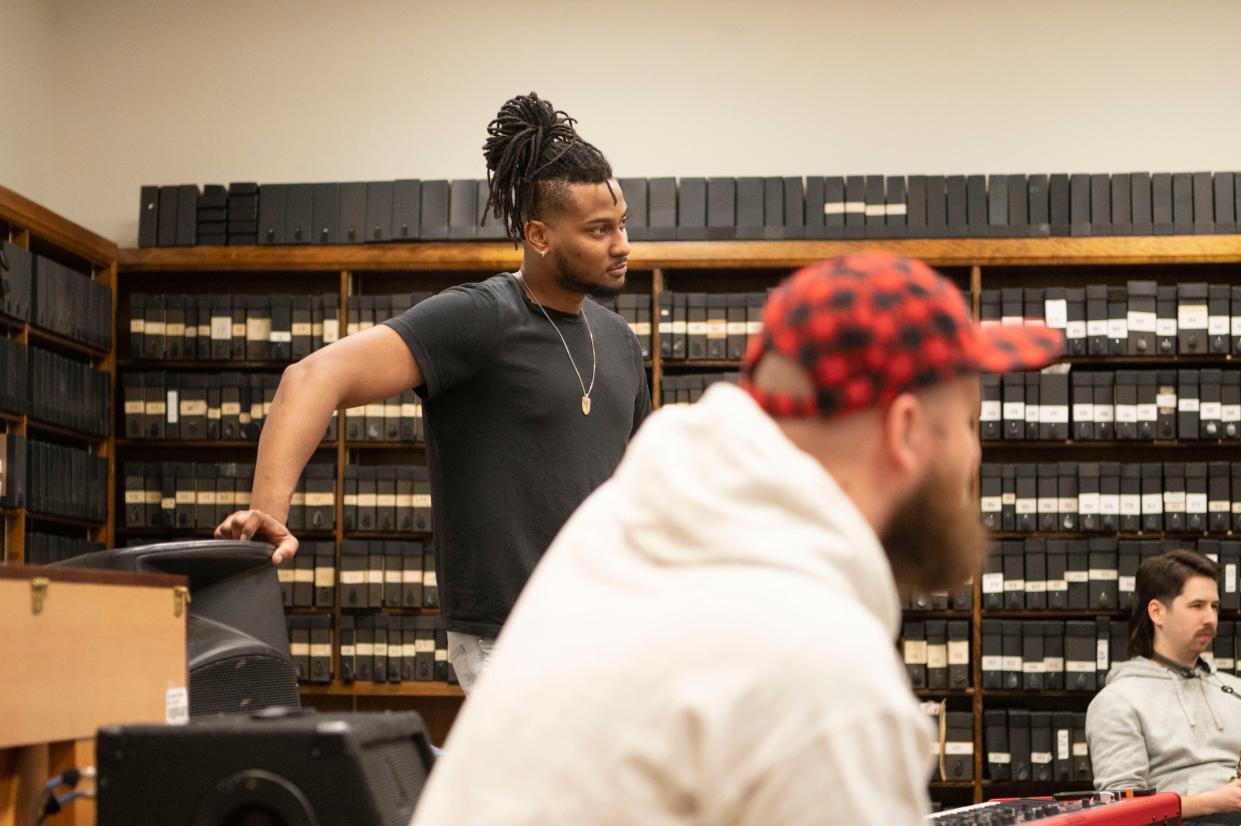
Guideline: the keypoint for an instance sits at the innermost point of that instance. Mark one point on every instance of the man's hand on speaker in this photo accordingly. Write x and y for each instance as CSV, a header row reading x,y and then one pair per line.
x,y
261,526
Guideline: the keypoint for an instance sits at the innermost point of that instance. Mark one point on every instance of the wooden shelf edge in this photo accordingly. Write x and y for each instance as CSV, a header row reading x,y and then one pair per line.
x,y
645,255
38,335
58,231
39,425
365,689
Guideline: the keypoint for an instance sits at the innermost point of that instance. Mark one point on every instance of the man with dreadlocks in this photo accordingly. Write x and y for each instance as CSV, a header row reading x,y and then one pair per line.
x,y
531,392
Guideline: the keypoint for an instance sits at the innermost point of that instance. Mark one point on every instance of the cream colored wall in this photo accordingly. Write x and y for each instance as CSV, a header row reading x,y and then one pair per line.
x,y
168,91
26,97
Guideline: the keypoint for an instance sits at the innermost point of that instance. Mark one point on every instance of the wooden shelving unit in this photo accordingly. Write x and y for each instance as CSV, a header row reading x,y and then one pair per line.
x,y
36,229
706,266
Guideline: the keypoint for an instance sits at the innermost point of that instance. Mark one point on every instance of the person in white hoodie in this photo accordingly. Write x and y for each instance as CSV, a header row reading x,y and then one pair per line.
x,y
1168,719
710,638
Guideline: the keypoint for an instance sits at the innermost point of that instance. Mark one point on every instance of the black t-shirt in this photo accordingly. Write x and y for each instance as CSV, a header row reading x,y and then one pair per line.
x,y
511,455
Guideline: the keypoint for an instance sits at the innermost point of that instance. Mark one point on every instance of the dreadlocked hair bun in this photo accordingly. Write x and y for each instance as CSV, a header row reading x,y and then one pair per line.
x,y
531,142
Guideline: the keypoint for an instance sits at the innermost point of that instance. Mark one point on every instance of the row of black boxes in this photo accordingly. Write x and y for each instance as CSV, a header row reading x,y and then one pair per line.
x,y
375,648
55,297
721,208
53,388
372,574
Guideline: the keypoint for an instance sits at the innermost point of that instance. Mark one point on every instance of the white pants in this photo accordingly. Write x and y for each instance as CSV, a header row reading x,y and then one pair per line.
x,y
468,656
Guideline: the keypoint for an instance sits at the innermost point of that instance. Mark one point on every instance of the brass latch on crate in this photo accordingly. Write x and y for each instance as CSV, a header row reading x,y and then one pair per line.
x,y
38,593
180,598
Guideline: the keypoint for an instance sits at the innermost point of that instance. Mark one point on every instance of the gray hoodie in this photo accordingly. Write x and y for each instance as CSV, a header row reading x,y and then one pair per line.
x,y
1153,728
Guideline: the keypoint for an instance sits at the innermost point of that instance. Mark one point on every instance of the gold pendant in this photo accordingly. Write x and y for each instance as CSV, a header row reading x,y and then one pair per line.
x,y
585,405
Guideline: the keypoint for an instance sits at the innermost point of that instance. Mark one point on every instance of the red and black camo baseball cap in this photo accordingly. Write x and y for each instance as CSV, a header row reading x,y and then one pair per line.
x,y
872,325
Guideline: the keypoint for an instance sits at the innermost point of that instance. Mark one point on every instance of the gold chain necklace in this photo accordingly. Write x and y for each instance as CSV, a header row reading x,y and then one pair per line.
x,y
593,358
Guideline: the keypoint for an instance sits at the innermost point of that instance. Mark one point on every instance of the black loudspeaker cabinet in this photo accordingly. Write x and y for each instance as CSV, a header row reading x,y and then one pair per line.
x,y
236,638
277,767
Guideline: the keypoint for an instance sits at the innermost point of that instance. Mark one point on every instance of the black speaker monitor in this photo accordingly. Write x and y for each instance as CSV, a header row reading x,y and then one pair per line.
x,y
273,768
236,638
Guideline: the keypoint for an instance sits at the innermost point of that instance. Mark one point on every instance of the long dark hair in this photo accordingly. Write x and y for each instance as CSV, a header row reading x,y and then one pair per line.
x,y
532,153
1162,578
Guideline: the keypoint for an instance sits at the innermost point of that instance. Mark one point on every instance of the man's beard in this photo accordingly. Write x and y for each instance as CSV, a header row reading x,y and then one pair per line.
x,y
936,540
567,278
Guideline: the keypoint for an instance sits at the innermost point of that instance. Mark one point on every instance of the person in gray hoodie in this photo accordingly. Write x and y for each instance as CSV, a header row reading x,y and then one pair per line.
x,y
1168,719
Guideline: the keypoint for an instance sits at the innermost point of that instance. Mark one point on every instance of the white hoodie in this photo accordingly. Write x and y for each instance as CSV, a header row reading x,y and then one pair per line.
x,y
1151,728
709,640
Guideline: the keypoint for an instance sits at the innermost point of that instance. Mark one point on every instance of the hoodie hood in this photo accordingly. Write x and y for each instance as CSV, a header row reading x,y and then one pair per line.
x,y
718,482
1140,668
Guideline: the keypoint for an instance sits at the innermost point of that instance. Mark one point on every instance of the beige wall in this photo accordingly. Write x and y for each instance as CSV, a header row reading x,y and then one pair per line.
x,y
26,92
168,91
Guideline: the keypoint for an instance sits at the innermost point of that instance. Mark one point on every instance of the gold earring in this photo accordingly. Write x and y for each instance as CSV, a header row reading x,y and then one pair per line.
x,y
543,253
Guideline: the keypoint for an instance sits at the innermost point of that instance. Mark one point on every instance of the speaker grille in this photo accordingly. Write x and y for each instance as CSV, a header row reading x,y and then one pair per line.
x,y
242,684
397,775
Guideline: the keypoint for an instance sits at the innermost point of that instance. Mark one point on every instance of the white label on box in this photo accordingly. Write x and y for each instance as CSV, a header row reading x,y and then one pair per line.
x,y
958,748
936,656
1130,504
177,706
1056,585
1152,503
366,649
320,650
428,579
1211,410
1165,327
1032,412
1081,749
1036,586
993,583
1014,585
381,649
1032,668
1040,758
1096,328
992,663
346,651
325,577
1236,325
409,649
1109,504
1083,412
1009,498
999,758
1047,504
331,330
1075,329
1166,400
1056,313
392,577
991,504
991,411
375,577
1230,412
915,652
352,577
1117,328
1076,576
1126,583
413,577
1015,411
280,336
1100,655
1053,665
425,646
1079,666
1026,506
1192,316
1103,413
1196,502
1218,506
959,652
173,407
1218,325
1012,663
1103,574
1054,414
1141,322
304,575
1148,413
1174,501
301,328
1127,413
1088,504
